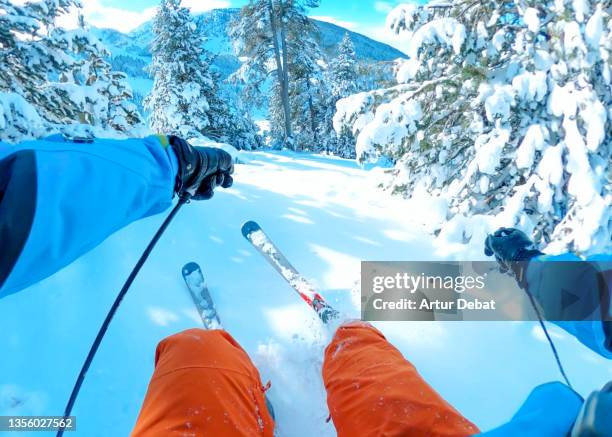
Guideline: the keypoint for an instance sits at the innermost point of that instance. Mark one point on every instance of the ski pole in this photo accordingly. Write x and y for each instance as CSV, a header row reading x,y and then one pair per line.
x,y
111,313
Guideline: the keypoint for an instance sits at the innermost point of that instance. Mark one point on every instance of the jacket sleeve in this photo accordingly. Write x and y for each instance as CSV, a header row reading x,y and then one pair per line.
x,y
575,295
60,199
549,410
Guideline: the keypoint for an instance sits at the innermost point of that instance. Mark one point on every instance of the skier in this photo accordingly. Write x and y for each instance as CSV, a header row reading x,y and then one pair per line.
x,y
59,199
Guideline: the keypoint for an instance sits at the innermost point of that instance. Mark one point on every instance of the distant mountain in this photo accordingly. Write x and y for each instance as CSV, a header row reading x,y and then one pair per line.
x,y
366,48
130,52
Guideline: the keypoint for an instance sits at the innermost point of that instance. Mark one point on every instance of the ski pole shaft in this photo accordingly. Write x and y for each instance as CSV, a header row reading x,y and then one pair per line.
x,y
111,313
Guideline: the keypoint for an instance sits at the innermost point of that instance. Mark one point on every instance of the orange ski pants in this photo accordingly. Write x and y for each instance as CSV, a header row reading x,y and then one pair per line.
x,y
204,384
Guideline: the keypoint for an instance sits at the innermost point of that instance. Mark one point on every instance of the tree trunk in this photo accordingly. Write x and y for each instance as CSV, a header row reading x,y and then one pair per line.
x,y
313,121
281,69
285,96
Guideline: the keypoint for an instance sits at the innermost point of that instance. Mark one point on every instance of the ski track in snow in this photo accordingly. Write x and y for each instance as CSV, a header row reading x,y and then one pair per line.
x,y
326,215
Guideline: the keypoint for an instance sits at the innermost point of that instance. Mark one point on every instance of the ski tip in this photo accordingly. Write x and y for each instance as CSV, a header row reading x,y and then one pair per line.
x,y
249,227
189,268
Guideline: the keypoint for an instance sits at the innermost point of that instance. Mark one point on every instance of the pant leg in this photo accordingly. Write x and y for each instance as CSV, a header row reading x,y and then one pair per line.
x,y
373,391
204,384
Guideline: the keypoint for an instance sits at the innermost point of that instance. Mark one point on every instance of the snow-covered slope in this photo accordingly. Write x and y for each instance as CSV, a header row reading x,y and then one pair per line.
x,y
327,215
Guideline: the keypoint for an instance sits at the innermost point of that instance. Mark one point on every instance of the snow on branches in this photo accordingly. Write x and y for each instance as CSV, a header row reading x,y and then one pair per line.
x,y
501,111
187,99
51,77
278,46
183,84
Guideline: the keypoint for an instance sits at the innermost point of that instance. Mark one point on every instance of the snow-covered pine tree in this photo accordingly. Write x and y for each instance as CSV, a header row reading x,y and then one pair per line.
x,y
343,69
111,95
230,121
265,39
306,97
186,98
30,49
258,37
502,113
27,47
47,74
276,116
103,96
376,75
307,90
183,86
342,80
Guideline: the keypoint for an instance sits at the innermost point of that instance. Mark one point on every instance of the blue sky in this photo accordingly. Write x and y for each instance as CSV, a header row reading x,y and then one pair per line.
x,y
365,16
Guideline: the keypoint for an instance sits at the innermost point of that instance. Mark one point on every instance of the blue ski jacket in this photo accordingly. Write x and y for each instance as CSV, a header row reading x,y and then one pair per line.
x,y
60,199
575,296
549,411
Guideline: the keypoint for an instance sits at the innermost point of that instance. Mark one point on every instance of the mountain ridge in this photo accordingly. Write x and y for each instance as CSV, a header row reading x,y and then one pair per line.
x,y
130,51
386,52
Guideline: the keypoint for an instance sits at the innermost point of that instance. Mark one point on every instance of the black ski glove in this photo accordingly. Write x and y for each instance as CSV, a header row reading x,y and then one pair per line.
x,y
201,169
512,249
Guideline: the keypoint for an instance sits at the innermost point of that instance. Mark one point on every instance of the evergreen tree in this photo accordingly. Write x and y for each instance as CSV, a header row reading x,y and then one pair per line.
x,y
50,77
186,99
500,112
307,91
343,70
276,116
343,81
269,33
183,85
230,120
105,97
31,48
306,106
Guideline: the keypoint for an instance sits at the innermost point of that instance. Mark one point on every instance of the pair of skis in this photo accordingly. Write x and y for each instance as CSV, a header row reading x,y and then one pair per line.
x,y
194,278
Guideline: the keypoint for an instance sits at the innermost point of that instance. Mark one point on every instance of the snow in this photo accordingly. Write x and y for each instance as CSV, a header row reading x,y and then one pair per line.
x,y
326,214
444,31
530,86
17,117
532,20
407,71
390,123
352,104
401,17
581,8
535,139
595,117
562,101
560,6
542,60
599,209
499,39
550,167
488,154
499,102
594,29
433,210
572,39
